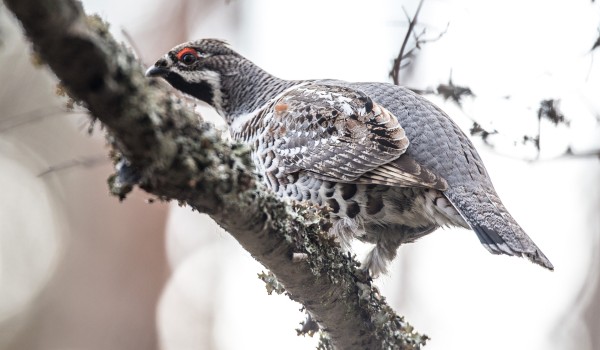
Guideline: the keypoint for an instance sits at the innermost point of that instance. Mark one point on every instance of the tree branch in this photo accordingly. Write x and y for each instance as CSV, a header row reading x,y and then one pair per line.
x,y
179,158
548,110
395,73
400,61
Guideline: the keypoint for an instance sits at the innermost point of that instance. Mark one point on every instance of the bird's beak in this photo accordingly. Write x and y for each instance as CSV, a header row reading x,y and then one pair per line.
x,y
155,71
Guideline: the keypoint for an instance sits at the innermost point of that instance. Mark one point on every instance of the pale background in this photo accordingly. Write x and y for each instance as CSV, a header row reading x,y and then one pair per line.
x,y
79,270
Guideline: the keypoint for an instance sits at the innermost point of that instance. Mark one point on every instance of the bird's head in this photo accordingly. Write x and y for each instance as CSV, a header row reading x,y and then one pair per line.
x,y
197,68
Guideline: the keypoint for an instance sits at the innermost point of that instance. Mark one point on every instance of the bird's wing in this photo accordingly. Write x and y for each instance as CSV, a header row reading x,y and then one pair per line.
x,y
339,134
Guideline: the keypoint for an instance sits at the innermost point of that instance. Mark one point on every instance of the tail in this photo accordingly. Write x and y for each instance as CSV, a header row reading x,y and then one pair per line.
x,y
497,230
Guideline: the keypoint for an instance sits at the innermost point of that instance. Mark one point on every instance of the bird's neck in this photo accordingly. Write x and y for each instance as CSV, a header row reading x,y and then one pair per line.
x,y
249,88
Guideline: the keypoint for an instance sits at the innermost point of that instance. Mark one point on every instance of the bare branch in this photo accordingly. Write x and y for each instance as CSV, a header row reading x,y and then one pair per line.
x,y
33,116
549,110
454,92
419,40
84,162
134,46
395,73
596,43
179,158
400,62
477,130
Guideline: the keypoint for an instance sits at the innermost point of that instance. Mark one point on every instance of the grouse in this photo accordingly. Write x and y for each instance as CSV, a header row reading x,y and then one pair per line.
x,y
390,165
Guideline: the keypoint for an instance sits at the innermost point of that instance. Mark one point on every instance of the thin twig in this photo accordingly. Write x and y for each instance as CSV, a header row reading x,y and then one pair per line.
x,y
420,41
596,43
84,162
29,117
395,73
134,46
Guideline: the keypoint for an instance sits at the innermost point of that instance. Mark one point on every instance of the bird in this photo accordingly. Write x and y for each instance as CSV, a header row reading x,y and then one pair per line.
x,y
390,165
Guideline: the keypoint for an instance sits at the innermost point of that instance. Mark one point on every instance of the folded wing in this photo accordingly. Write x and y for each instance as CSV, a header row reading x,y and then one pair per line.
x,y
339,134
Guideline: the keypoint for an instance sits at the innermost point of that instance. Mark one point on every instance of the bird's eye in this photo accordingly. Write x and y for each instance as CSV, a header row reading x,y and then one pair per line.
x,y
188,56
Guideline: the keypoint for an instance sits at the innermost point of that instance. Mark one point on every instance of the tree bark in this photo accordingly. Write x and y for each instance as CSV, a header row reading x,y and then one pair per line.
x,y
179,158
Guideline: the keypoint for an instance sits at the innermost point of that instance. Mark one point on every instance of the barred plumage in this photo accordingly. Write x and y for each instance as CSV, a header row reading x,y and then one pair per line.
x,y
391,166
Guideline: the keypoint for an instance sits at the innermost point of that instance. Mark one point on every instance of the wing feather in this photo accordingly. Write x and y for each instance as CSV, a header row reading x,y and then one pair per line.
x,y
339,134
405,171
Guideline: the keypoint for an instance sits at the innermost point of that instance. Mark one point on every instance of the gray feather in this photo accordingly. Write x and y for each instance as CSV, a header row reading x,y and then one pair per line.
x,y
496,228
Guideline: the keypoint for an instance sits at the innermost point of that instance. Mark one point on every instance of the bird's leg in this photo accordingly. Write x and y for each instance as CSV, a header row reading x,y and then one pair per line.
x,y
377,260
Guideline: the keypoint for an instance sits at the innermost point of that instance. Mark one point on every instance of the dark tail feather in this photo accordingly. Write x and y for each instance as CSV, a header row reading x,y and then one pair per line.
x,y
496,245
498,232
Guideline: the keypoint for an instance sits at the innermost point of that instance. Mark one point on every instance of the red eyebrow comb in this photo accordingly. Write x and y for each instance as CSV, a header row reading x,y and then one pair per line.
x,y
185,51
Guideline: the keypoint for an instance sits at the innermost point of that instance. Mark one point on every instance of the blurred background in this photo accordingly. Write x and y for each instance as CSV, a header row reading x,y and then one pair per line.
x,y
79,270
